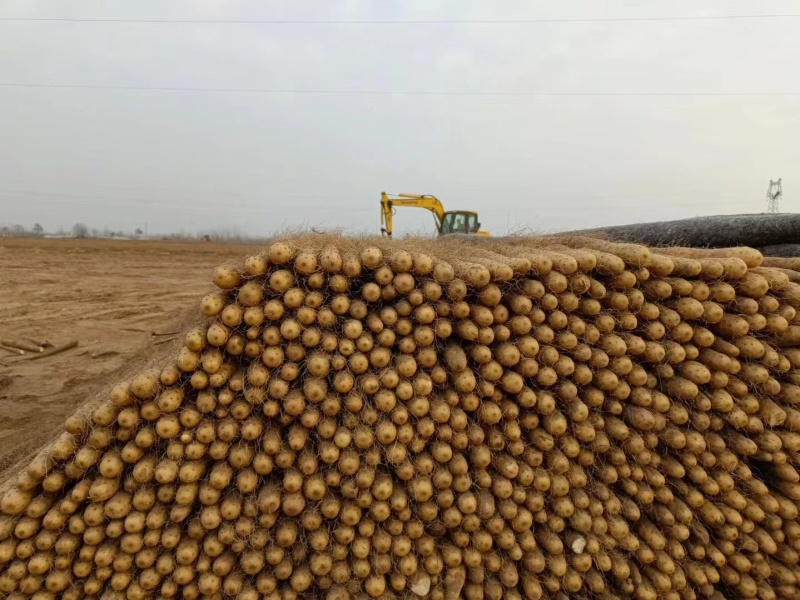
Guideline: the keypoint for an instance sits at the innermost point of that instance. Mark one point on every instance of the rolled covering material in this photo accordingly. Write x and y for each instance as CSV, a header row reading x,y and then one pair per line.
x,y
720,231
781,250
537,418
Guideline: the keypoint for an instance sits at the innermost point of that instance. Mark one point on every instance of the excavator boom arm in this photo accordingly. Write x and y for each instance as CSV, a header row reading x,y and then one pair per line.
x,y
427,202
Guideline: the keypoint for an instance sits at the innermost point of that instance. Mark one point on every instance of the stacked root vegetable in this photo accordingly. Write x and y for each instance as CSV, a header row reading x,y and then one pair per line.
x,y
531,418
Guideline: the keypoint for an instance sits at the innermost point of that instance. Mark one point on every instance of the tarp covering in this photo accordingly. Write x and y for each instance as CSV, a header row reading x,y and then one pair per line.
x,y
721,231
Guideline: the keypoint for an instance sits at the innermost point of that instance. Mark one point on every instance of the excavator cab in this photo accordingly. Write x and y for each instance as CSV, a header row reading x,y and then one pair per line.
x,y
460,221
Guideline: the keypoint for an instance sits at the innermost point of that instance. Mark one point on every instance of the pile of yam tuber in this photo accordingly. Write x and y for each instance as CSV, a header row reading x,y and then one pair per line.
x,y
557,417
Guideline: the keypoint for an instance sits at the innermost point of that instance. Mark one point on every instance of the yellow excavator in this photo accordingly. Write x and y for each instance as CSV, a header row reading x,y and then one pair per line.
x,y
451,221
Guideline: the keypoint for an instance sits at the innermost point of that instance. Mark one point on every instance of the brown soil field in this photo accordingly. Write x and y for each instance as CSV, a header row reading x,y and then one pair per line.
x,y
110,297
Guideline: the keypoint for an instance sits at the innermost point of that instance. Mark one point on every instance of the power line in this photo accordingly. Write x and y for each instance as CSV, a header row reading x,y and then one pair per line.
x,y
264,200
22,184
399,22
345,92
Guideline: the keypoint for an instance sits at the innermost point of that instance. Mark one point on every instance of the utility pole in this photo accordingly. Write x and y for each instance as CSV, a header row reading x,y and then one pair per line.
x,y
774,195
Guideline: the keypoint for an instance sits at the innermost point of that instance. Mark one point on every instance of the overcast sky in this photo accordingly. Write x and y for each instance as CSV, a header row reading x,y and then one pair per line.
x,y
258,162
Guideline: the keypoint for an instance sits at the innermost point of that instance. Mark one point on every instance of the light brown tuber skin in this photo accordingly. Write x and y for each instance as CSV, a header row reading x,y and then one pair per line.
x,y
372,419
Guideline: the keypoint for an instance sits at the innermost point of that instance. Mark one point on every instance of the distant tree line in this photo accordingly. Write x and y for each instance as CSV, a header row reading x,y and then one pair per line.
x,y
79,230
20,231
82,231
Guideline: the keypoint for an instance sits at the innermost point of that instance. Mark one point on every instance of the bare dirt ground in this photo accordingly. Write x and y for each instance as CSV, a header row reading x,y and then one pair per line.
x,y
110,297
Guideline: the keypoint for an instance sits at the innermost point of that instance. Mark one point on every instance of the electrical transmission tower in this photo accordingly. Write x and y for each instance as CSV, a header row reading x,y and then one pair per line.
x,y
774,194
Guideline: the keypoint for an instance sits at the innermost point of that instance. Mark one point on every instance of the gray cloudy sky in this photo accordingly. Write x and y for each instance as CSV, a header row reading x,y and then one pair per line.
x,y
258,162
